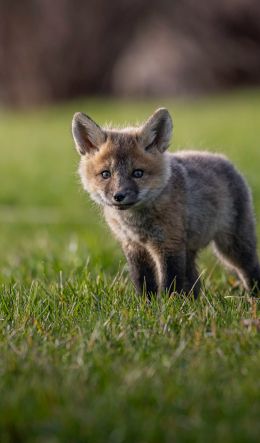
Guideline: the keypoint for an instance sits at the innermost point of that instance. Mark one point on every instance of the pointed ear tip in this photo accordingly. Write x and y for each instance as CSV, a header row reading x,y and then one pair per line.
x,y
163,112
77,117
161,109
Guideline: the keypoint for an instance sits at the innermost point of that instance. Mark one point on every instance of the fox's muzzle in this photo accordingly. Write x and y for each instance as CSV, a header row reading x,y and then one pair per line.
x,y
124,198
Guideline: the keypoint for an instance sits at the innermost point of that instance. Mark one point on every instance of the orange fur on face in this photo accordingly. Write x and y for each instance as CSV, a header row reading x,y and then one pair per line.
x,y
121,154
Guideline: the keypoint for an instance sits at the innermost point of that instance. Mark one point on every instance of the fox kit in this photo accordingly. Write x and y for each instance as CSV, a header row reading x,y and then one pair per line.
x,y
164,208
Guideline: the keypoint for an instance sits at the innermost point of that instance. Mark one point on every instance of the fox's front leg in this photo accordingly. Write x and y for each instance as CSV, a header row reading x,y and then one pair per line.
x,y
142,268
172,269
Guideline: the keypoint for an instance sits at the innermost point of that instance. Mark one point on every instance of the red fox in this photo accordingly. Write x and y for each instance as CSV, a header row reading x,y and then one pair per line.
x,y
164,208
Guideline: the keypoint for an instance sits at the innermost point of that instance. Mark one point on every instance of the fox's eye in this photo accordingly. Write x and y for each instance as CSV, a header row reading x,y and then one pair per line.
x,y
106,174
137,173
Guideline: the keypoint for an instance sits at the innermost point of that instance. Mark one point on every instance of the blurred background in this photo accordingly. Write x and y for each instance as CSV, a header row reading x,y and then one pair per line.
x,y
54,50
117,61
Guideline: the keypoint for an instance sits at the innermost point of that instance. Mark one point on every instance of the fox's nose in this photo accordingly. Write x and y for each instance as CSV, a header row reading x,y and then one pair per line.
x,y
119,196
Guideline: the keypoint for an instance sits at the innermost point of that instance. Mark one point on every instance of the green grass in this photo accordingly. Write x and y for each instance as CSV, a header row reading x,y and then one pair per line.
x,y
82,358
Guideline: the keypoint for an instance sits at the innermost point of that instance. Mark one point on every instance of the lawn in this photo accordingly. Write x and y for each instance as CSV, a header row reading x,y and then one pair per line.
x,y
83,359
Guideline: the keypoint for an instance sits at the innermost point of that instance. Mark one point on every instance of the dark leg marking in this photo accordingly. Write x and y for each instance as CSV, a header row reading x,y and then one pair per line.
x,y
174,273
142,270
253,279
192,275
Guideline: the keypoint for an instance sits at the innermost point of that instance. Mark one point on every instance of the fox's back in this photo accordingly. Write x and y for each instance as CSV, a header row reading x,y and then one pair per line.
x,y
215,194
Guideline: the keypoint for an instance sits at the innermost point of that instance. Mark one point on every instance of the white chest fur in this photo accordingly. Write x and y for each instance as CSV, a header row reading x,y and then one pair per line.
x,y
137,226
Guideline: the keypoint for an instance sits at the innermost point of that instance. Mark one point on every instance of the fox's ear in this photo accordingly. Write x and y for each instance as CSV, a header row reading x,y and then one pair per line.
x,y
88,136
157,130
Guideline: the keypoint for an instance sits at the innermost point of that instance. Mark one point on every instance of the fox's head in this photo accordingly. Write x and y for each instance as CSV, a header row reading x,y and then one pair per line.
x,y
123,167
